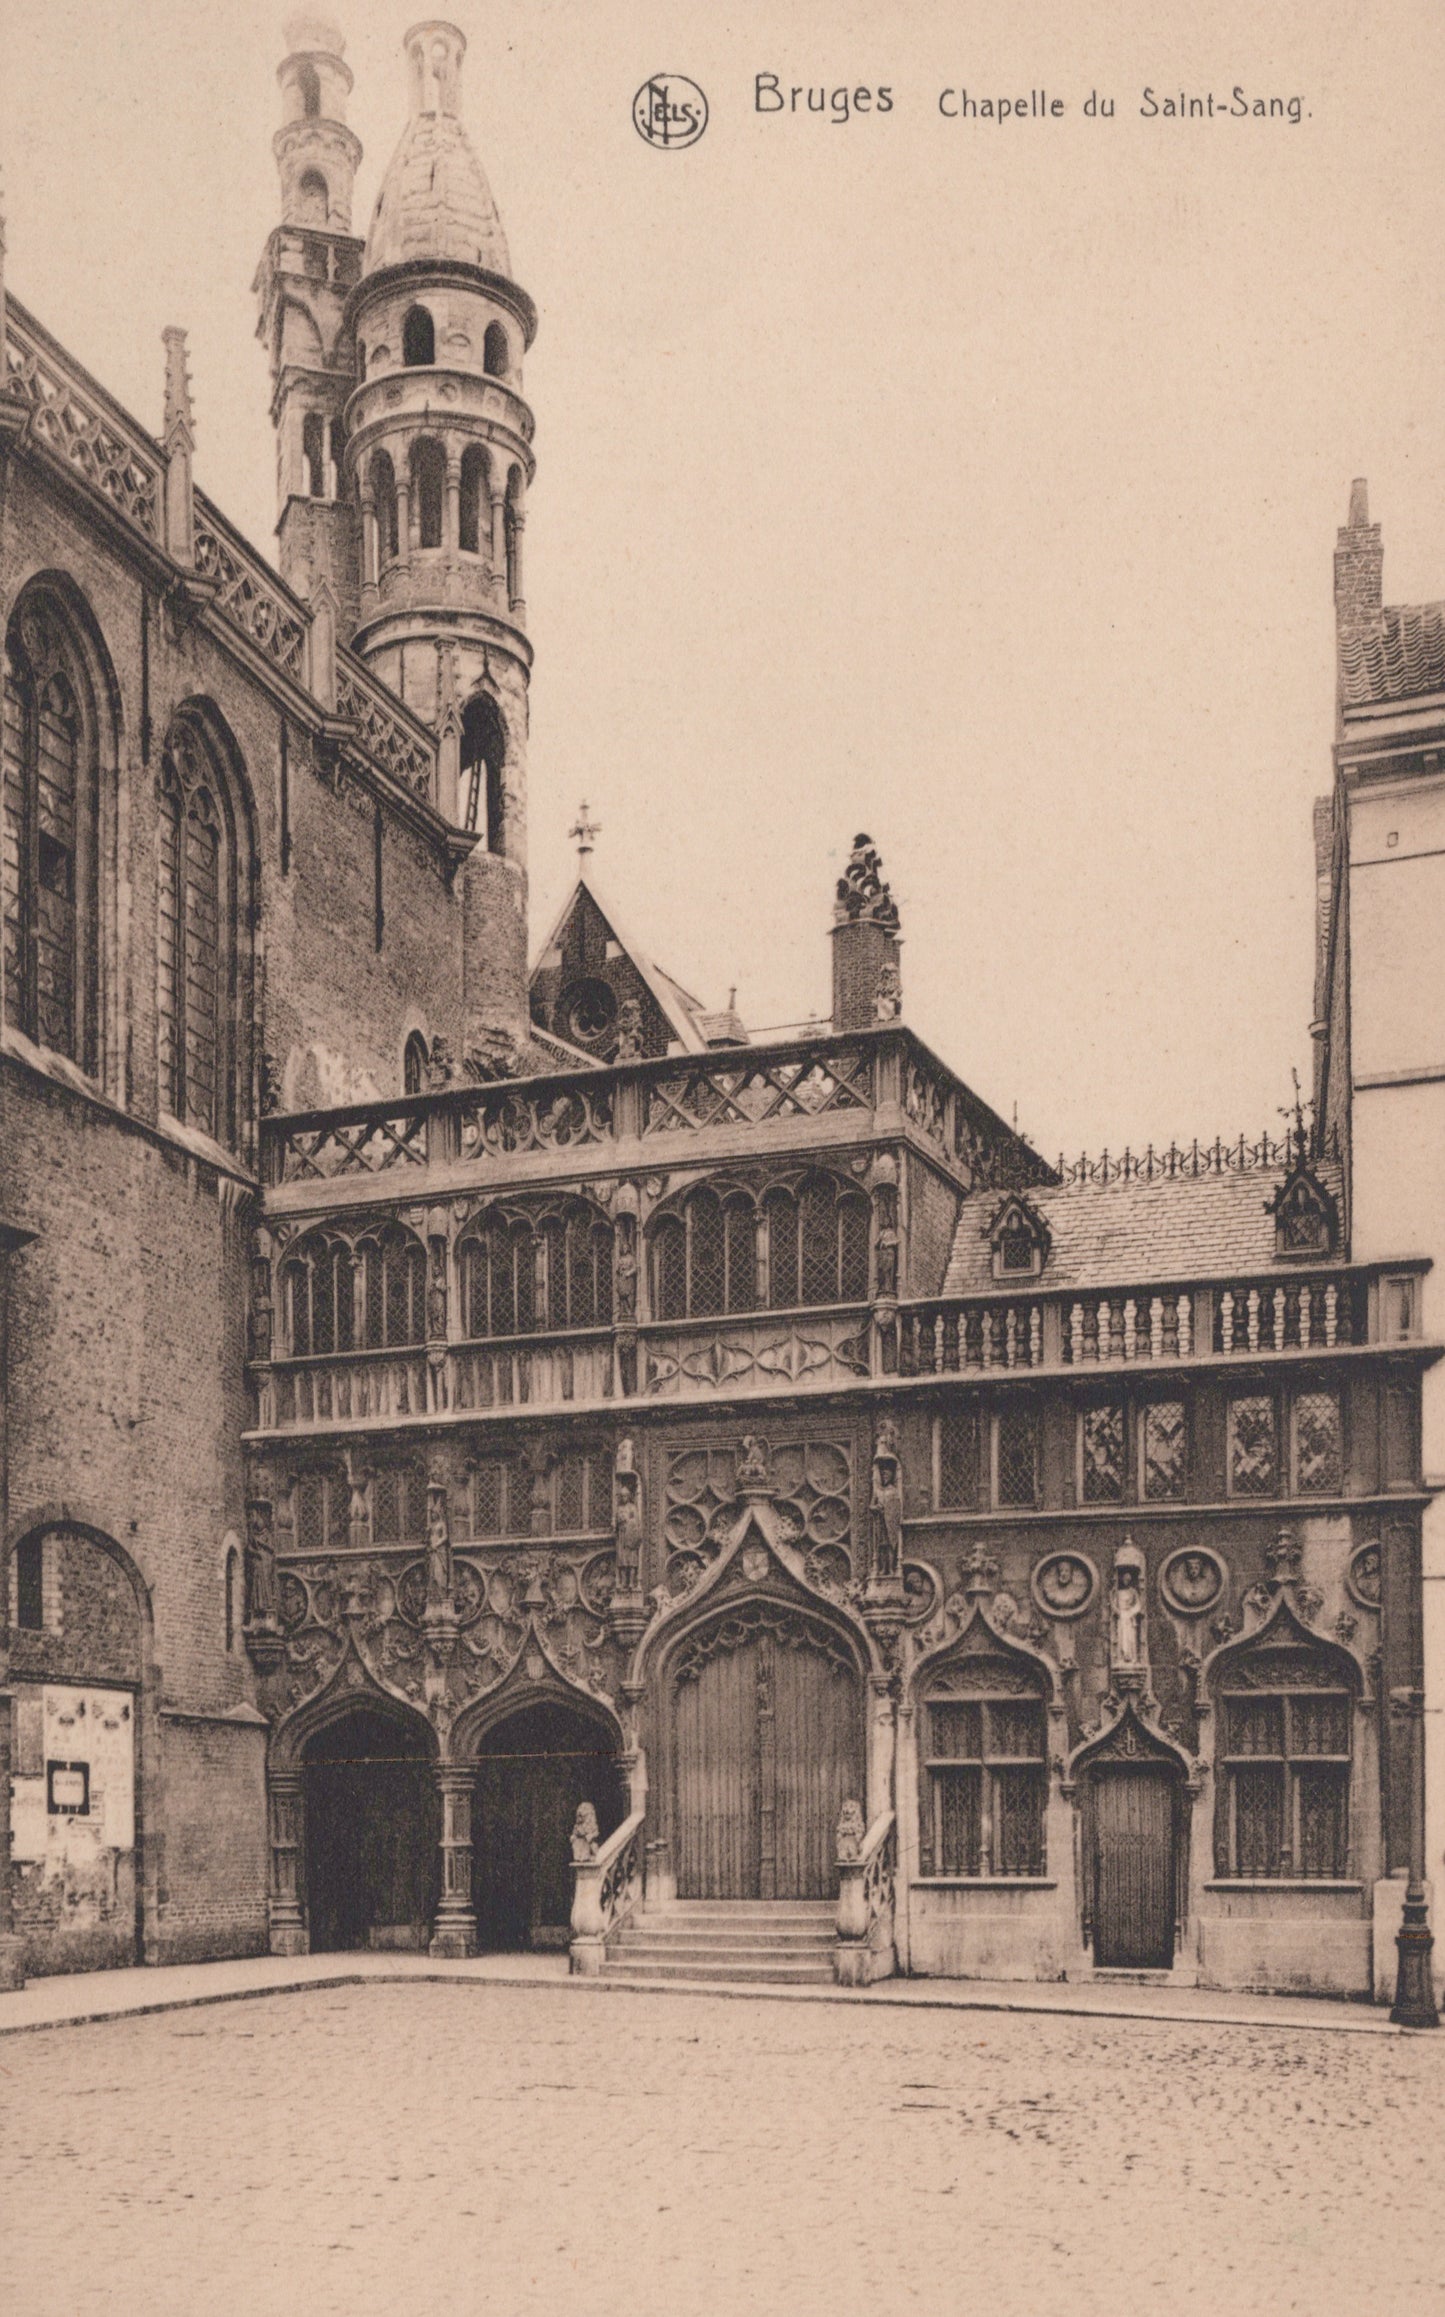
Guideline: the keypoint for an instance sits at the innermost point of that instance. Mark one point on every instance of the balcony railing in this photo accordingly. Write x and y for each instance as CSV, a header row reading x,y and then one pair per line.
x,y
1073,1329
830,1076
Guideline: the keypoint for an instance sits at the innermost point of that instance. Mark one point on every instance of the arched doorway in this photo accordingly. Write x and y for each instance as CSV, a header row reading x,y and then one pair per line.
x,y
1133,1850
533,1769
767,1726
372,1833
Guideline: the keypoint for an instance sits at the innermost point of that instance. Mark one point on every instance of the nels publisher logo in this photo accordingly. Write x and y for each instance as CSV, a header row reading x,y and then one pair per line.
x,y
669,111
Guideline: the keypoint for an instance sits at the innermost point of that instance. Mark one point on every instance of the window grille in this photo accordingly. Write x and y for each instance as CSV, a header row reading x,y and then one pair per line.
x,y
1016,1434
1317,1445
1253,1446
987,1785
1165,1456
1284,1808
957,1452
1101,1453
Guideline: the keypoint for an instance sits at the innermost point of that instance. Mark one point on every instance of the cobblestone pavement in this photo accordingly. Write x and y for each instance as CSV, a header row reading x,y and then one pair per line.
x,y
513,2150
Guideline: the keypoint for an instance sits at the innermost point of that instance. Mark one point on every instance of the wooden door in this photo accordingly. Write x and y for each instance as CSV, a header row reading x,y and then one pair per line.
x,y
768,1745
1134,1866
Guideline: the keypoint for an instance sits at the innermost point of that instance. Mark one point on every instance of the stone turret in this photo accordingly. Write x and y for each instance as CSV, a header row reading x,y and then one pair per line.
x,y
439,450
311,263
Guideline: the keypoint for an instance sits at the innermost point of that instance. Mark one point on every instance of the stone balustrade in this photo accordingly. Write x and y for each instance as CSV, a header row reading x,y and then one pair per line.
x,y
607,1890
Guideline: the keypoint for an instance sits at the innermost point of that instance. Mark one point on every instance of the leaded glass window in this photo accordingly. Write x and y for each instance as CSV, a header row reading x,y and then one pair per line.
x,y
322,1504
986,1784
1101,1452
345,1298
398,1505
1254,1446
1016,1451
521,1274
1164,1427
956,1434
49,799
1285,1756
1317,1448
195,937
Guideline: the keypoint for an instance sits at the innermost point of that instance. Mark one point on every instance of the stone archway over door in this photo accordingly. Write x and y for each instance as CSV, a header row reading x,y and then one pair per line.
x,y
533,1769
373,1826
767,1746
1134,1845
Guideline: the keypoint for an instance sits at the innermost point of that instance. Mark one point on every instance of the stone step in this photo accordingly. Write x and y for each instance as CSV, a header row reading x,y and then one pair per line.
x,y
701,1968
688,1927
639,1946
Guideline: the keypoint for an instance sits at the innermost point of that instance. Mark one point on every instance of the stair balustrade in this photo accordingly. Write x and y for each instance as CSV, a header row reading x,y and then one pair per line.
x,y
606,1890
867,1866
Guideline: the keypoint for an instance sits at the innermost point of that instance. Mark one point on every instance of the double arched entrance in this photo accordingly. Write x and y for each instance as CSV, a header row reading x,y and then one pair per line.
x,y
375,1826
767,1743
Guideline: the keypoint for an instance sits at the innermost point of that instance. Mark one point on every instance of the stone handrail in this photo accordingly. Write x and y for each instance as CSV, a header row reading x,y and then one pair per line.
x,y
251,595
386,731
607,1888
866,1867
79,423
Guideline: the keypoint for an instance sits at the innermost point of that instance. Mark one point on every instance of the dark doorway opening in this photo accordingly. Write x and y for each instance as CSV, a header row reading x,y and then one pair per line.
x,y
373,1827
532,1772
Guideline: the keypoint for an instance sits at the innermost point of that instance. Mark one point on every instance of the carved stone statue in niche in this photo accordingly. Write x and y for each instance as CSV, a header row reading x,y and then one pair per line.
x,y
888,997
358,1514
436,1293
627,1516
753,1463
439,1572
887,1502
629,1031
1128,1646
262,1599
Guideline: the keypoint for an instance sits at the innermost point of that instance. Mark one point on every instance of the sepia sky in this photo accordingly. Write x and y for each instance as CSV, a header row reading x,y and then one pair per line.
x,y
971,483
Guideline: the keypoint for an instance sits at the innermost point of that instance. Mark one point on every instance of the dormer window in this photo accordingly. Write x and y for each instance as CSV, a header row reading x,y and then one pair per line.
x,y
1306,1218
1020,1240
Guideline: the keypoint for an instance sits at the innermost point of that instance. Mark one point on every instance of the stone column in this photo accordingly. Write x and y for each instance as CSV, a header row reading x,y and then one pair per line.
x,y
455,1931
452,536
499,535
288,1924
371,550
516,587
403,519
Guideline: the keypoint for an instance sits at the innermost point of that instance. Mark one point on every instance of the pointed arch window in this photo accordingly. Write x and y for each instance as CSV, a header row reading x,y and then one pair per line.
x,y
414,1064
521,1274
196,937
484,756
49,835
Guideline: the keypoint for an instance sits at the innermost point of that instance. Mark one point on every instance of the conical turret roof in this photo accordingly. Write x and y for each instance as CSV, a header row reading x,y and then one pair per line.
x,y
435,201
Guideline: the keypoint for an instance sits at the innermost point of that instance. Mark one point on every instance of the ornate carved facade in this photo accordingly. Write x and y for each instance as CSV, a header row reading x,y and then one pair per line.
x,y
619,1464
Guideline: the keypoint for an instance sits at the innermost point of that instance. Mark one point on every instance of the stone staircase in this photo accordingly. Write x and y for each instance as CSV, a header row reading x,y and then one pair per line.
x,y
772,1942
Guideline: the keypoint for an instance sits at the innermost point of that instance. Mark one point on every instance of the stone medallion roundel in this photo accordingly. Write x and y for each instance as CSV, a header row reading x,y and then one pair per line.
x,y
1192,1580
1064,1584
1362,1578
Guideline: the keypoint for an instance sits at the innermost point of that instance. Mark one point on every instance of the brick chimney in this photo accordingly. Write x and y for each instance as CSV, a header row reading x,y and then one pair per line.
x,y
866,982
1359,565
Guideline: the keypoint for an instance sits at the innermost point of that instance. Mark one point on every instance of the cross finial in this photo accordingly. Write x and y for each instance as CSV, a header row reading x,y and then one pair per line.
x,y
584,830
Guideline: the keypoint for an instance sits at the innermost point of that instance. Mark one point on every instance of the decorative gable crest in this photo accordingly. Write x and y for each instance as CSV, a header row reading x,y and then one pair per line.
x,y
1019,1238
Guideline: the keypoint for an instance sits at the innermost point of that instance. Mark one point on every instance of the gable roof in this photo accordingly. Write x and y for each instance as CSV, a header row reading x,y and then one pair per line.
x,y
685,1015
1139,1233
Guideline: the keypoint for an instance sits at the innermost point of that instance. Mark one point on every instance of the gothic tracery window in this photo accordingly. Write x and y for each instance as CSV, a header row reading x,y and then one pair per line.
x,y
369,1295
809,1241
197,937
522,1274
50,834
